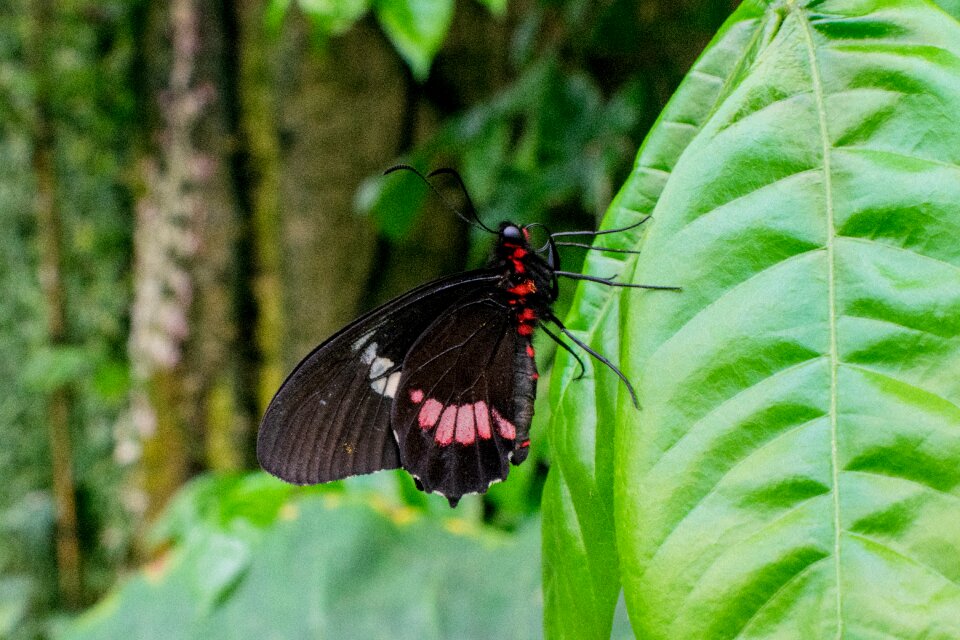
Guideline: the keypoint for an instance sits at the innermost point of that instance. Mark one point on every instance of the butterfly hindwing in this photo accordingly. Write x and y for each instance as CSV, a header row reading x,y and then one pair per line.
x,y
465,399
331,417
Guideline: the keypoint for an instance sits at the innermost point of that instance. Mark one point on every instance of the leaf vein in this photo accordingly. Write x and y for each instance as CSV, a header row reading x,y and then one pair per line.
x,y
773,596
909,385
716,485
894,323
904,555
716,301
900,154
890,476
726,401
742,196
820,101
762,531
893,247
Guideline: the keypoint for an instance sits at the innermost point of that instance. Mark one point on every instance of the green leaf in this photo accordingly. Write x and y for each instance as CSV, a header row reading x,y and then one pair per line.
x,y
581,569
393,202
15,593
325,566
274,13
54,366
416,28
332,17
496,7
794,470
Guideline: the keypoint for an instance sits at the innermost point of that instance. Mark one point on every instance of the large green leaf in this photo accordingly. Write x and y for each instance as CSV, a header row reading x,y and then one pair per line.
x,y
581,571
794,470
255,558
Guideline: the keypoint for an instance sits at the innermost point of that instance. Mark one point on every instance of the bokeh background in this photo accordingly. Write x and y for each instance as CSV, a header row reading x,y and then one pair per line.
x,y
190,199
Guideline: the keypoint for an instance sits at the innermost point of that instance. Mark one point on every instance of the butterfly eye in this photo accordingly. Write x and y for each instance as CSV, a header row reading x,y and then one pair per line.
x,y
512,232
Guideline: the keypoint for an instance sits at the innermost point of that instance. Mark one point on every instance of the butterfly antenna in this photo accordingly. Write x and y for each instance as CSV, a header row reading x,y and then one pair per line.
x,y
540,225
611,283
599,233
466,194
580,343
576,356
590,246
407,167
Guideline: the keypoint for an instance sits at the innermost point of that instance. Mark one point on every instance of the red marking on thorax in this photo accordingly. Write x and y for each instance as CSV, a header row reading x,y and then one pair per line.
x,y
527,314
525,288
525,329
530,351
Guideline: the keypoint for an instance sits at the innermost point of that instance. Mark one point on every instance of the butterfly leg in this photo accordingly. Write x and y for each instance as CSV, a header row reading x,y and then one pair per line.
x,y
567,348
611,283
580,343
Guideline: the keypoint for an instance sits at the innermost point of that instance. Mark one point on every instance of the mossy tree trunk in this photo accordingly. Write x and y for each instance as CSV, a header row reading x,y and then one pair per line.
x,y
257,179
50,241
343,119
167,243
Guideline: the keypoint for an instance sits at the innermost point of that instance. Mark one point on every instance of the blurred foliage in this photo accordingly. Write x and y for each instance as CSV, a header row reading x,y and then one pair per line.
x,y
363,568
90,108
416,28
550,143
571,141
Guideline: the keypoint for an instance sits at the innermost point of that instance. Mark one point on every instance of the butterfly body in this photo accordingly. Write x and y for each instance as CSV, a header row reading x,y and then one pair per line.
x,y
440,381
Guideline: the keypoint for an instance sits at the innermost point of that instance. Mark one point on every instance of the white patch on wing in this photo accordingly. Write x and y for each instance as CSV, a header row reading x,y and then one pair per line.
x,y
386,385
380,366
392,383
362,340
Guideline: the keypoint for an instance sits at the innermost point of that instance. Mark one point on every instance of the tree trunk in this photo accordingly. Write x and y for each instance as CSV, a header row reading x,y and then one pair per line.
x,y
49,225
166,244
343,120
211,357
258,185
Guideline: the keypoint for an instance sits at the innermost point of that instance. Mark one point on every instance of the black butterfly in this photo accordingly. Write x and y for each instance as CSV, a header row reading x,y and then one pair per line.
x,y
440,381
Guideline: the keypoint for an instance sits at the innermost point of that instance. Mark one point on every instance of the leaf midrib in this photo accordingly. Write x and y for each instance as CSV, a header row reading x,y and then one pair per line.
x,y
826,148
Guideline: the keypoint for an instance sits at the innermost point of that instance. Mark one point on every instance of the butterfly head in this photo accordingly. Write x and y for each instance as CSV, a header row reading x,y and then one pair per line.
x,y
528,269
511,234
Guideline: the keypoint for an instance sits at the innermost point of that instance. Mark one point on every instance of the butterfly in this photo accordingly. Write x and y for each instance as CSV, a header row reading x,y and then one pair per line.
x,y
440,381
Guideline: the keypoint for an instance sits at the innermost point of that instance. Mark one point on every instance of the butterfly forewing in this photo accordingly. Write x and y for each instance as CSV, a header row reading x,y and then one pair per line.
x,y
465,399
331,418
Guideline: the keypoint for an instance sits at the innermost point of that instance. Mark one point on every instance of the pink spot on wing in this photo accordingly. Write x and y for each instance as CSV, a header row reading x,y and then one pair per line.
x,y
416,396
482,415
504,426
445,427
466,433
429,413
